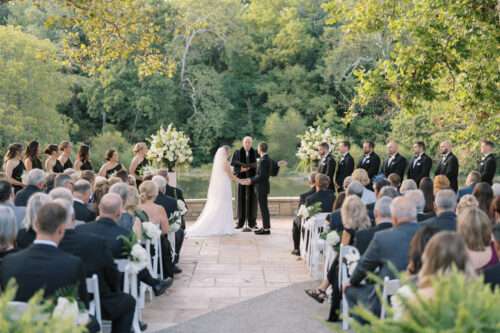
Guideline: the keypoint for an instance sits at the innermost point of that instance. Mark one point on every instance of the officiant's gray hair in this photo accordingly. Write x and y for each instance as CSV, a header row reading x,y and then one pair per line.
x,y
248,137
160,182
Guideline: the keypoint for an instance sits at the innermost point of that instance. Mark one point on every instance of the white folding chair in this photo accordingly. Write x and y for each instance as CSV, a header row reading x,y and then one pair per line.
x,y
316,255
144,289
390,289
304,238
171,240
130,287
343,279
95,304
330,255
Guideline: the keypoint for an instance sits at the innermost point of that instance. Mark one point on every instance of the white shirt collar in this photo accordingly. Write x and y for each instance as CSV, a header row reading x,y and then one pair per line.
x,y
78,200
45,242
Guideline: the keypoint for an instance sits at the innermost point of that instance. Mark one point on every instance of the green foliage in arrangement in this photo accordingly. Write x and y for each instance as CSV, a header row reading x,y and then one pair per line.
x,y
459,305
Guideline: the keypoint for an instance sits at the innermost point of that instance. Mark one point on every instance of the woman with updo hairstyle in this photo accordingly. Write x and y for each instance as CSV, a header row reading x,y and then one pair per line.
x,y
484,195
64,160
31,156
495,210
112,164
148,191
13,166
52,152
139,162
467,201
441,182
82,162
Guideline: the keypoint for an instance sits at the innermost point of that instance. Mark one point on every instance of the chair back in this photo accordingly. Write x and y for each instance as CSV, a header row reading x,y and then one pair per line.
x,y
95,304
390,289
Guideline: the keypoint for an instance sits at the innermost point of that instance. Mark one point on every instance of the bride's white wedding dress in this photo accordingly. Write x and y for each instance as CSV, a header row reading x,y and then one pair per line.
x,y
217,215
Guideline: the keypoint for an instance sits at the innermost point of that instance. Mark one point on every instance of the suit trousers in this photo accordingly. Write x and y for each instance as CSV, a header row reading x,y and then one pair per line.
x,y
264,210
296,233
119,308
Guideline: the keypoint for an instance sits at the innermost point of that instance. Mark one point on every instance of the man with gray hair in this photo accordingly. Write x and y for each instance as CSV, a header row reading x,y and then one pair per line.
x,y
387,250
63,180
417,196
126,220
61,193
35,182
82,191
355,188
445,219
382,212
408,185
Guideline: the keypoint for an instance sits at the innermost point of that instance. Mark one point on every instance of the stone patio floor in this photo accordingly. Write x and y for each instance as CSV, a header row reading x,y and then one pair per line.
x,y
221,271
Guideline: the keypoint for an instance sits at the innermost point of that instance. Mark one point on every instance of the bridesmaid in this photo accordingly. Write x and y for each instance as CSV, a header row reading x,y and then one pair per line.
x,y
63,161
112,165
139,162
31,156
13,166
82,162
50,162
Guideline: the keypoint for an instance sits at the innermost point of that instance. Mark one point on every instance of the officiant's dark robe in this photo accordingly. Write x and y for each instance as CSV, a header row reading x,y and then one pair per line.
x,y
247,200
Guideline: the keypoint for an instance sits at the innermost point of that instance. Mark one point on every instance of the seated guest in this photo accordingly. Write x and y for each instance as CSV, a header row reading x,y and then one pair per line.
x,y
63,180
496,189
81,195
50,180
171,191
377,186
472,179
126,220
7,199
297,221
97,258
445,218
383,221
43,265
441,182
495,210
418,198
35,182
427,187
387,250
383,189
407,185
61,193
323,194
132,205
484,195
360,175
395,180
89,176
106,227
114,180
335,218
26,235
123,175
475,227
8,231
492,274
467,201
100,190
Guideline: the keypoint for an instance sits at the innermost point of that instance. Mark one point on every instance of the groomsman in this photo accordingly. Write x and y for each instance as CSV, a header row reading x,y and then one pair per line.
x,y
346,165
421,164
327,163
370,161
488,164
448,165
395,162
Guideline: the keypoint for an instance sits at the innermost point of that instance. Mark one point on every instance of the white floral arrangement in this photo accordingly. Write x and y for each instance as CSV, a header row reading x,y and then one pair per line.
x,y
67,309
333,238
170,148
181,206
307,212
174,221
308,153
303,212
151,231
138,258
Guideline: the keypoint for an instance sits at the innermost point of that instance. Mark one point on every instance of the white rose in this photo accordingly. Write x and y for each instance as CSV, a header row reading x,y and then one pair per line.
x,y
139,254
333,238
182,207
66,309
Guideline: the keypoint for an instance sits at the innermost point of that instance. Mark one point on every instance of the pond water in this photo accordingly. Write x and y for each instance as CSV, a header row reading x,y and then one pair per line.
x,y
195,184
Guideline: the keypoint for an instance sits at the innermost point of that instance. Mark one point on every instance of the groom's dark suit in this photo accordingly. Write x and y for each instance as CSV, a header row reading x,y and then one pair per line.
x,y
261,180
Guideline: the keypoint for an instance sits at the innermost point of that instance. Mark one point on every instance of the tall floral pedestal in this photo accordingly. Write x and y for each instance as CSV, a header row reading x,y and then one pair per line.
x,y
172,179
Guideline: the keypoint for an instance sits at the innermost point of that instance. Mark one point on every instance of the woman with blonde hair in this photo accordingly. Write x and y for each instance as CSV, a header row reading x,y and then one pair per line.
x,y
354,218
441,182
466,202
139,162
475,227
148,192
360,175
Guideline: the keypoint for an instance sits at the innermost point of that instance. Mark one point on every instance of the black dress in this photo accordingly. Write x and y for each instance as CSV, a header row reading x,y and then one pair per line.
x,y
86,165
114,170
59,167
36,163
17,174
140,167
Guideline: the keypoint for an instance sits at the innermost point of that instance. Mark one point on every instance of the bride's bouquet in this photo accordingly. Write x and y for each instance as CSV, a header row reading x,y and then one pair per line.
x,y
170,148
308,153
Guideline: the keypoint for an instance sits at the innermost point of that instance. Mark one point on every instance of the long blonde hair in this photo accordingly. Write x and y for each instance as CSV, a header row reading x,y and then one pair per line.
x,y
354,214
475,227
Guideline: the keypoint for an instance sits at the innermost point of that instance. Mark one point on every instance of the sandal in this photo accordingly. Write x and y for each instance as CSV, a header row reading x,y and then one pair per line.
x,y
318,294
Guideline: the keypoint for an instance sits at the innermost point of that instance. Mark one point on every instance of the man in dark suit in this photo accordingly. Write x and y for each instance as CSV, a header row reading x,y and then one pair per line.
x,y
296,226
448,165
421,164
488,164
395,163
327,163
43,265
323,194
370,161
97,258
261,182
445,219
346,165
388,248
383,221
492,274
35,182
106,227
472,179
81,195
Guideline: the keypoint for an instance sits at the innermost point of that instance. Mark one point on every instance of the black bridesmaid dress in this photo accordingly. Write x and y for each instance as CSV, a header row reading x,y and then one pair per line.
x,y
86,165
111,172
17,174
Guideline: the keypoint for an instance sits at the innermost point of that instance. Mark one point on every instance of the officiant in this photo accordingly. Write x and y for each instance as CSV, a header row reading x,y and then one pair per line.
x,y
244,162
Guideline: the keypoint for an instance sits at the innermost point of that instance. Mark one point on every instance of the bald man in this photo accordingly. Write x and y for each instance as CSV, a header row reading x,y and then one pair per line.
x,y
448,165
395,162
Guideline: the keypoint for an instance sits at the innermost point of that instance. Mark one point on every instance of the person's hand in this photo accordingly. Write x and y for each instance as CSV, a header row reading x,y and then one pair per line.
x,y
246,182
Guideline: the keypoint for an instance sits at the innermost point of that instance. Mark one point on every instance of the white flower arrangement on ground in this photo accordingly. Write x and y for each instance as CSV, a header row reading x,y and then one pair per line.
x,y
138,258
181,206
308,153
151,231
67,309
170,148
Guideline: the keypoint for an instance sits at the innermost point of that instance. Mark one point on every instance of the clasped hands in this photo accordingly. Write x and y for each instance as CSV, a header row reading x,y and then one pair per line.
x,y
245,182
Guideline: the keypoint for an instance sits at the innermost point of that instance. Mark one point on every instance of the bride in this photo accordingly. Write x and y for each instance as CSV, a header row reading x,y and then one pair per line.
x,y
217,215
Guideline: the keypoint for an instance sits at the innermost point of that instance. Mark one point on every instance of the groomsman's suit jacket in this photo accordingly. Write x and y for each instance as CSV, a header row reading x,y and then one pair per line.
x,y
325,197
327,167
397,165
449,168
420,167
43,266
346,167
371,163
488,168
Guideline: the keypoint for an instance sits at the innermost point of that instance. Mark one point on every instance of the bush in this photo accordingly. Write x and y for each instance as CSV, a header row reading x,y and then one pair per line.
x,y
459,305
110,139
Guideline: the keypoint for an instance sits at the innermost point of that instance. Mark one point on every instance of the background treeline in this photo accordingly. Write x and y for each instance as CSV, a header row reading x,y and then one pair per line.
x,y
109,73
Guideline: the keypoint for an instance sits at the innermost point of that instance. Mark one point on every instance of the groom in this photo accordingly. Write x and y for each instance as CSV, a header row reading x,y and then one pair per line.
x,y
261,182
